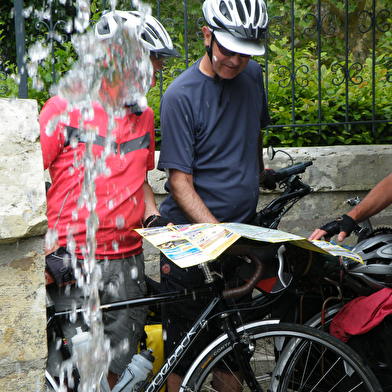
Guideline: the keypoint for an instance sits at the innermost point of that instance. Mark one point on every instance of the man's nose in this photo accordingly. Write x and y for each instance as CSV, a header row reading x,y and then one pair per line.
x,y
236,59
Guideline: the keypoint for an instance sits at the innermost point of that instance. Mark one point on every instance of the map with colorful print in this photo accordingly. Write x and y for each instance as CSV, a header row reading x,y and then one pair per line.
x,y
190,245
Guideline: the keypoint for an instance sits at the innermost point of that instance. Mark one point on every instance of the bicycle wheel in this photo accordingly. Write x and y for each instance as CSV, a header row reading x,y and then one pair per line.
x,y
50,383
283,357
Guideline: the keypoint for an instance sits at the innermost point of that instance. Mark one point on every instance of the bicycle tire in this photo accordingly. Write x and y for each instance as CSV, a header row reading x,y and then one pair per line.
x,y
278,361
330,313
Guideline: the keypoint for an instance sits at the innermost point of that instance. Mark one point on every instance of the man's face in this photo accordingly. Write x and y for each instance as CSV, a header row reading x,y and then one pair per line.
x,y
157,65
227,64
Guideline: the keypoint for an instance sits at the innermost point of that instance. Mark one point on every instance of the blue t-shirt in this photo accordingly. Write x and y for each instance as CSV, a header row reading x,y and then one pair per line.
x,y
211,130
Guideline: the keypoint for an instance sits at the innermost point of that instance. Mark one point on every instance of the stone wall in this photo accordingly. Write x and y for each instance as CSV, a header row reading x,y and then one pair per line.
x,y
337,173
22,229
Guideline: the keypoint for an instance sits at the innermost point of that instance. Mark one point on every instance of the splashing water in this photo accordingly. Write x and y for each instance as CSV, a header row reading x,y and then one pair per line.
x,y
37,52
113,72
82,15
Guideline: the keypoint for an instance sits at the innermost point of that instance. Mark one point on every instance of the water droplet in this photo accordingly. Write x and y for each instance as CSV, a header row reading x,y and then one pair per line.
x,y
82,15
111,204
69,26
51,238
120,222
115,245
134,272
27,11
73,314
113,288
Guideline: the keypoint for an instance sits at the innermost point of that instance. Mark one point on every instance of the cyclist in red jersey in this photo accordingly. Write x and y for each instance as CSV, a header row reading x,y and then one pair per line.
x,y
125,200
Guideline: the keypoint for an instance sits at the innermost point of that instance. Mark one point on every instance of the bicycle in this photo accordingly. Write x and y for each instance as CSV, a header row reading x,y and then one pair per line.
x,y
374,245
268,355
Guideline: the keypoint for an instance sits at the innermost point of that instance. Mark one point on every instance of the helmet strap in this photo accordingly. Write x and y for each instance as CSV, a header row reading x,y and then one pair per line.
x,y
209,53
209,48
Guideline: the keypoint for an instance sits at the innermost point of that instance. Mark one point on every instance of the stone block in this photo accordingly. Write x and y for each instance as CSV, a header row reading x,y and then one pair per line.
x,y
22,189
22,315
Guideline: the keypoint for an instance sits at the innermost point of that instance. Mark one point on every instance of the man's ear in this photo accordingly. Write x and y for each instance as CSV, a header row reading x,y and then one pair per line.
x,y
207,35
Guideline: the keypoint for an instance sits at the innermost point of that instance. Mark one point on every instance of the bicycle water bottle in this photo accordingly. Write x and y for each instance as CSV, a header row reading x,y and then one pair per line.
x,y
136,372
81,345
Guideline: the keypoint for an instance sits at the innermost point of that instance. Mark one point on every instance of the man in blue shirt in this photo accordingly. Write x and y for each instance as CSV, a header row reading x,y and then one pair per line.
x,y
211,120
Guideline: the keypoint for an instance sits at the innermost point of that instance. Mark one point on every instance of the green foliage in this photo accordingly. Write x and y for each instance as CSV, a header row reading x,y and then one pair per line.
x,y
336,92
285,80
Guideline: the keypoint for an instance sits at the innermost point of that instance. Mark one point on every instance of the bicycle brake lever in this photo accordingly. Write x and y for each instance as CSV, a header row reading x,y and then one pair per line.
x,y
281,250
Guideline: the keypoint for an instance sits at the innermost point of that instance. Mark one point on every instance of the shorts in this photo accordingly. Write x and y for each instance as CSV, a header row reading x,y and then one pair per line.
x,y
178,317
118,324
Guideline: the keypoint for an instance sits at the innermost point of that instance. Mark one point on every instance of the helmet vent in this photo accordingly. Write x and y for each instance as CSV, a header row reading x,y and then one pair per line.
x,y
374,247
152,31
224,10
103,27
147,38
257,14
241,12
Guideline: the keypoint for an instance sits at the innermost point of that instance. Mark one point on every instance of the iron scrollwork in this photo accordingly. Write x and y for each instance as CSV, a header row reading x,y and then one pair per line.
x,y
50,33
382,27
170,22
328,19
293,75
347,73
276,32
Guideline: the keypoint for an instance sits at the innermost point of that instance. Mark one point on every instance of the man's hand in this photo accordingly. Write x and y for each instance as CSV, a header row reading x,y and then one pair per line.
x,y
268,179
343,226
156,221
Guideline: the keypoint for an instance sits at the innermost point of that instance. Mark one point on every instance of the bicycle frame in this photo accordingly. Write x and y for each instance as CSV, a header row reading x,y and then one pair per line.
x,y
214,308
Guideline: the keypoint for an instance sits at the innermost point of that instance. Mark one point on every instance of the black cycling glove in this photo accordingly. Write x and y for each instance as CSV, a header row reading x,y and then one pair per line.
x,y
343,223
269,182
155,221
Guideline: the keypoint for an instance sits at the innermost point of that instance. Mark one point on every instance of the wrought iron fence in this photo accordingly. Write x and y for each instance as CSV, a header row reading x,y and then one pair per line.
x,y
287,75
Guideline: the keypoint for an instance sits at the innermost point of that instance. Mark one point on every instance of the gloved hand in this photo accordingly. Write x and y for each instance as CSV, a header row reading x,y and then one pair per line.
x,y
344,223
269,182
155,221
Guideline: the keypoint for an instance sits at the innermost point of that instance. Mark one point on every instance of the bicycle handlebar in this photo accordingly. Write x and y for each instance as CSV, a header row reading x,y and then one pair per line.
x,y
254,279
294,169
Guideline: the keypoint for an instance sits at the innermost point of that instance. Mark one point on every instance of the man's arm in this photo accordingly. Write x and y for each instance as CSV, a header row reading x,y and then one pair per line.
x,y
184,194
375,201
151,208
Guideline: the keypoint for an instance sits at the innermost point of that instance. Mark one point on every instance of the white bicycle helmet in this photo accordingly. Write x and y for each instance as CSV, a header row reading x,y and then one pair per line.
x,y
376,272
153,34
238,25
